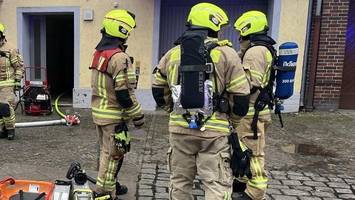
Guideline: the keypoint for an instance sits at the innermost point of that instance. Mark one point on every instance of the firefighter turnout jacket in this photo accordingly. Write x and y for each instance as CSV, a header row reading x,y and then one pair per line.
x,y
112,74
11,66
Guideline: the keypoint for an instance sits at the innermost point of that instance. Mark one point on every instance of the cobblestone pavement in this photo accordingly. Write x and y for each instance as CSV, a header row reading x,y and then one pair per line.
x,y
286,184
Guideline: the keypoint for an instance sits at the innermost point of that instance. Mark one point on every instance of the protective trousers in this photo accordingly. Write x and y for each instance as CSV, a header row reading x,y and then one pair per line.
x,y
256,186
109,160
7,103
209,158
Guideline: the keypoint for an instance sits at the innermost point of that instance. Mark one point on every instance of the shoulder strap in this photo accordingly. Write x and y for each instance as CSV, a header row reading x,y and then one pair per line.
x,y
102,58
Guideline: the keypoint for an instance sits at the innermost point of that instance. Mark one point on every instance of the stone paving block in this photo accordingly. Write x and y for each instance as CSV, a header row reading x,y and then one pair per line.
x,y
301,187
148,171
328,175
163,178
319,178
147,176
338,185
163,171
343,191
162,195
291,182
145,192
278,186
145,198
273,191
310,198
294,173
268,197
331,198
347,196
284,197
144,186
333,179
161,189
322,194
300,178
324,189
273,172
280,177
310,174
146,181
274,182
344,176
294,192
163,175
162,183
314,183
149,165
198,192
350,181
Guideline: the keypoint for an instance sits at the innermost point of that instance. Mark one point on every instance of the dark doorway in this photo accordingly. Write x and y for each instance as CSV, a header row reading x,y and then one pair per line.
x,y
347,96
174,14
60,53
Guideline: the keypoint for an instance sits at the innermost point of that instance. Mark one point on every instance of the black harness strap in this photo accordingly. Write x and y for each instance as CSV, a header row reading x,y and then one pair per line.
x,y
265,97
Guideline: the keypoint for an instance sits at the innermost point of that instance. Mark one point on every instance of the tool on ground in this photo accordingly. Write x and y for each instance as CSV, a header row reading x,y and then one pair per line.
x,y
25,189
62,190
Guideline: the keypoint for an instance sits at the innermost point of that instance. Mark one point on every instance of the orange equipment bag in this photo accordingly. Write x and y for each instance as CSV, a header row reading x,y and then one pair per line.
x,y
11,189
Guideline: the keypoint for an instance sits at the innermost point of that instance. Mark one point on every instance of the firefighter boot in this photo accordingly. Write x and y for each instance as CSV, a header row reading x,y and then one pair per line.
x,y
121,189
10,134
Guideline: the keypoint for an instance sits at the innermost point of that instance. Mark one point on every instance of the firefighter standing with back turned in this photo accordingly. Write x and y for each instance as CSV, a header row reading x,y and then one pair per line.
x,y
201,64
11,73
258,55
113,99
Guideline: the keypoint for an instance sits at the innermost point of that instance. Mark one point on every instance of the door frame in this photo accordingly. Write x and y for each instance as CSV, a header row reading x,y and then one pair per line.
x,y
23,12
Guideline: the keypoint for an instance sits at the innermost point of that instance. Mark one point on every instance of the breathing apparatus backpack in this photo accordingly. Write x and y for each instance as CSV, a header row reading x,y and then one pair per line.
x,y
193,95
283,73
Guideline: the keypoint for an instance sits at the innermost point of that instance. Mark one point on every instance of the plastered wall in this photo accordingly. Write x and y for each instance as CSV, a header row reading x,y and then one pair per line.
x,y
140,41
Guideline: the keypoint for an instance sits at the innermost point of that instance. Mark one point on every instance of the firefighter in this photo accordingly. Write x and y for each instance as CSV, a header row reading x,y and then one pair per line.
x,y
198,143
258,55
11,73
113,98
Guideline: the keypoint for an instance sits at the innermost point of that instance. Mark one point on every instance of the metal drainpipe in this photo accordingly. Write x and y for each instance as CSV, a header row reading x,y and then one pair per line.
x,y
305,56
315,49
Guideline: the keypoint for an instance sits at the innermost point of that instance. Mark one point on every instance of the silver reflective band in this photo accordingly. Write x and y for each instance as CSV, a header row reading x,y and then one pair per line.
x,y
288,52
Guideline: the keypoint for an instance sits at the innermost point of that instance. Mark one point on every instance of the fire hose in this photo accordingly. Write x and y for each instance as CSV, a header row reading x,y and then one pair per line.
x,y
68,120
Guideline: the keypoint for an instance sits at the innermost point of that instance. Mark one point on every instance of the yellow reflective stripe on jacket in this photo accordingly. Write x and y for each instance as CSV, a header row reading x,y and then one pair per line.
x,y
266,77
159,78
175,55
106,113
256,74
9,82
213,123
215,55
123,77
134,110
102,91
237,82
251,111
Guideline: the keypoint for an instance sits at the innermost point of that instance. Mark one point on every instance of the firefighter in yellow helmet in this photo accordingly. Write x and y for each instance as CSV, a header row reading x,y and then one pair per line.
x,y
11,73
113,99
258,55
200,82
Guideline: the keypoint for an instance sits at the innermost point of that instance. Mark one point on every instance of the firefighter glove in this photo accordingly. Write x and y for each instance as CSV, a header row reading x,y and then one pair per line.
x,y
122,138
17,85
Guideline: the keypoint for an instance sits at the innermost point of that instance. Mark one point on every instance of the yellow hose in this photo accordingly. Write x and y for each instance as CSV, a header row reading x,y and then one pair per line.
x,y
57,107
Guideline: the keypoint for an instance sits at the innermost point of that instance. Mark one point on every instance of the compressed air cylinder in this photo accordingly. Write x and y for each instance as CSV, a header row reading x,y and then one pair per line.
x,y
286,69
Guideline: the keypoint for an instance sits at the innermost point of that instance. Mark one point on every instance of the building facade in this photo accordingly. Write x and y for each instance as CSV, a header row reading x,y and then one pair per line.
x,y
60,36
